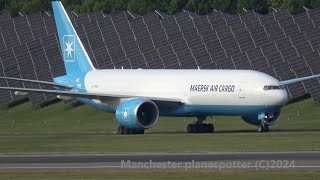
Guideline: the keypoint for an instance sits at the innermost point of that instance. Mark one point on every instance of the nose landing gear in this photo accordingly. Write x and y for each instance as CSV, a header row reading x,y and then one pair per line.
x,y
200,127
263,127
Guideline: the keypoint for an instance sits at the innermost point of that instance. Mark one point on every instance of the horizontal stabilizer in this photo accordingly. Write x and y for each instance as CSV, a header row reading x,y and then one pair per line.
x,y
298,79
39,82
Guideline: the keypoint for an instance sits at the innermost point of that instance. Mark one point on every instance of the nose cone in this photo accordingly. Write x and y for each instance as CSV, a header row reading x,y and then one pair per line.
x,y
275,97
282,97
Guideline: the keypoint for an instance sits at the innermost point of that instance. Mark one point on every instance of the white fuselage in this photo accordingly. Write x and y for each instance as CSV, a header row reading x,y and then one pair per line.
x,y
193,87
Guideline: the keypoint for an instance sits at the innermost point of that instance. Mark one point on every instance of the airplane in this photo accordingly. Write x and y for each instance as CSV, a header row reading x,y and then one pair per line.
x,y
139,96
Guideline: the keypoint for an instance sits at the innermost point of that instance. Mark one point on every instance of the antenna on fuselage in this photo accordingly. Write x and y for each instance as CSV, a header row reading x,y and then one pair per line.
x,y
199,68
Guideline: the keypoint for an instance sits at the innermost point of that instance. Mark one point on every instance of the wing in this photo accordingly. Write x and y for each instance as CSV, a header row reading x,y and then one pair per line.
x,y
170,103
39,82
298,79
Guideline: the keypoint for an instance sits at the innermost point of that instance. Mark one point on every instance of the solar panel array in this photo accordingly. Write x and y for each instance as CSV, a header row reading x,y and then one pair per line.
x,y
280,44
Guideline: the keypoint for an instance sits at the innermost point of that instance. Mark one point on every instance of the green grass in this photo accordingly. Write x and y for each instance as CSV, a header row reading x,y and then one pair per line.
x,y
99,174
298,129
161,143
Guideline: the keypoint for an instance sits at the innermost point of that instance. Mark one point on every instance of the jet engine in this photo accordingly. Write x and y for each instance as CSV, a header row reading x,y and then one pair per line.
x,y
270,118
137,114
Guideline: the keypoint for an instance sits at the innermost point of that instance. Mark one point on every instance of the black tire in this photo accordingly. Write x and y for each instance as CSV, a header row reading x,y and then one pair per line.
x,y
210,128
189,128
140,131
194,128
120,130
266,128
125,131
263,128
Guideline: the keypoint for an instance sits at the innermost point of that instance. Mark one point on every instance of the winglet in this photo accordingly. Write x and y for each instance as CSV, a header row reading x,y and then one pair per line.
x,y
298,79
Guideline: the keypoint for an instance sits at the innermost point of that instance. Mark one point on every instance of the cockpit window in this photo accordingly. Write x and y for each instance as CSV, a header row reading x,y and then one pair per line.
x,y
271,87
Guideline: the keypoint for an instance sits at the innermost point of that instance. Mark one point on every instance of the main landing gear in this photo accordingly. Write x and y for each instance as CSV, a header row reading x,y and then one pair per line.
x,y
123,130
263,127
200,127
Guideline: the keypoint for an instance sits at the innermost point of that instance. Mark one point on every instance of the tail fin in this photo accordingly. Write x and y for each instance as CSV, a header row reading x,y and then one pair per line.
x,y
75,57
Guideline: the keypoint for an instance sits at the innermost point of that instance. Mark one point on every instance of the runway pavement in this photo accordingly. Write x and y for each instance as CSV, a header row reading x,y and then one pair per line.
x,y
306,160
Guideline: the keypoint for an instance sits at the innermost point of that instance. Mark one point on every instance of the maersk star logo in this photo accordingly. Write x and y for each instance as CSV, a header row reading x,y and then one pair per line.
x,y
69,48
125,115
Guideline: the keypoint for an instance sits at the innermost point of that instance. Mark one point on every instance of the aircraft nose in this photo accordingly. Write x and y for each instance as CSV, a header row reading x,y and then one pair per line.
x,y
283,97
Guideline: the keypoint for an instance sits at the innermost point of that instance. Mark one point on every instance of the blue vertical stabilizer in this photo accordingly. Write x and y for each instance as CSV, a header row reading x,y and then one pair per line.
x,y
75,57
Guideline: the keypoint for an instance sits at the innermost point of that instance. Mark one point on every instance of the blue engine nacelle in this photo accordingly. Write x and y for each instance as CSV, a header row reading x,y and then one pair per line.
x,y
270,118
137,114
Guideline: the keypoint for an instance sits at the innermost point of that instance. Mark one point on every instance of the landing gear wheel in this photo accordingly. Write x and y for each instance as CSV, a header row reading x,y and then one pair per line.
x,y
263,128
140,131
211,128
123,130
194,128
189,128
200,127
266,128
120,130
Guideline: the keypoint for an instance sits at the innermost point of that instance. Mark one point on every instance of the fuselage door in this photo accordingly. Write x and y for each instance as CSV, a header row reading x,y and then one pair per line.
x,y
242,90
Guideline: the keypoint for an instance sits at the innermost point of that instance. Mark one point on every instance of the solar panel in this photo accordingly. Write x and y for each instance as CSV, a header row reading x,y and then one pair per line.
x,y
112,42
93,16
296,89
281,70
233,20
81,19
169,58
5,18
217,20
156,30
50,25
225,63
5,96
179,44
9,34
37,25
280,44
85,41
53,53
241,61
146,44
142,35
272,54
314,16
27,71
23,29
194,42
248,16
97,46
257,59
10,69
139,61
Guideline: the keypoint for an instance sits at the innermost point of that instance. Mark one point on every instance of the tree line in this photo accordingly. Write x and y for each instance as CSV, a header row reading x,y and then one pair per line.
x,y
169,6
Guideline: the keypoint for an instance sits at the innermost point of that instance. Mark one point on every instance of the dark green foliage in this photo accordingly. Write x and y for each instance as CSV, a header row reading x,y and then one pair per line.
x,y
169,6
